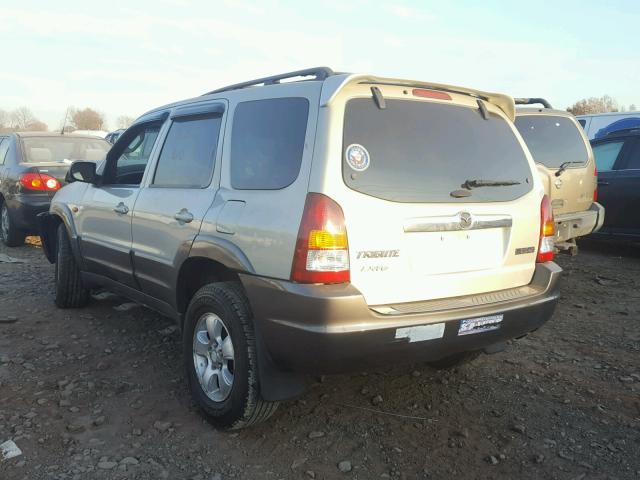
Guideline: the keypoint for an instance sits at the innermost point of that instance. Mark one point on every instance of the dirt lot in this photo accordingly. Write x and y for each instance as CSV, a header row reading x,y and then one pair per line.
x,y
99,393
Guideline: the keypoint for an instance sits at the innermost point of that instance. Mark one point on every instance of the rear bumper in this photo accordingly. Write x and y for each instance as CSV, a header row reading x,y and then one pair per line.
x,y
579,224
25,208
331,329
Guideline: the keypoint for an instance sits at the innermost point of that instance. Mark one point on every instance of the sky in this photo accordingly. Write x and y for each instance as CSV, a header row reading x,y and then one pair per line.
x,y
124,58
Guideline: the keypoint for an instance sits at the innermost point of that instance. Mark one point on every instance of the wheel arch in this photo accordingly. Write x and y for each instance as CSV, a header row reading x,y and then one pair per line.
x,y
210,259
48,223
214,259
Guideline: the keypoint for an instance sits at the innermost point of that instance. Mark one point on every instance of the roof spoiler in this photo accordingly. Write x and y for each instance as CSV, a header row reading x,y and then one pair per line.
x,y
532,101
333,84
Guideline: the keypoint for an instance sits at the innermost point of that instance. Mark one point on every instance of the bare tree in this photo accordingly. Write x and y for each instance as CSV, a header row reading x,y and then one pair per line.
x,y
594,105
124,121
87,119
4,120
21,118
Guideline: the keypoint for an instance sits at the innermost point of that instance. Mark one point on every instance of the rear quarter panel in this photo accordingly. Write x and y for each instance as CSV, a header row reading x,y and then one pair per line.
x,y
264,224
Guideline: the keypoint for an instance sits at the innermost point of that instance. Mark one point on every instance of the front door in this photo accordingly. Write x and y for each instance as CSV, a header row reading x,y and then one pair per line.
x,y
104,217
175,198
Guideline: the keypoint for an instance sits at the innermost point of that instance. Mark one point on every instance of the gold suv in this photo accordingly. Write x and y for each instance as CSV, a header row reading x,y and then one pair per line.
x,y
567,168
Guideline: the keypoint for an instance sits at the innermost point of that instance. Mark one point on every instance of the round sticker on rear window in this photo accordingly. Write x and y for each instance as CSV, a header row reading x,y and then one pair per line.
x,y
357,157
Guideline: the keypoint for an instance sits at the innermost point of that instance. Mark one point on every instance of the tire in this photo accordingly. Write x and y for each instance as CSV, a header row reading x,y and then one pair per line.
x,y
11,235
454,360
216,309
70,293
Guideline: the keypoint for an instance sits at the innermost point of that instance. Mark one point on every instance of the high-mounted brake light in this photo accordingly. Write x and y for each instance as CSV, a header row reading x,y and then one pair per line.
x,y
547,232
39,181
421,92
322,249
595,191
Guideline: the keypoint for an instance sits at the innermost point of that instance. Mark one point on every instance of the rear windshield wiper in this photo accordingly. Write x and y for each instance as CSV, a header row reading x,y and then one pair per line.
x,y
469,184
564,166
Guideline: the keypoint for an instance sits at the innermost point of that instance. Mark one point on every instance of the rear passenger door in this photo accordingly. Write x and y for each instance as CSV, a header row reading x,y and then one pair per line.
x,y
608,155
626,191
178,192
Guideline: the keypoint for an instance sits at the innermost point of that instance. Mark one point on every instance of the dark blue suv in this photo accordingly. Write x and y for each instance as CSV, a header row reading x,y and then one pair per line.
x,y
618,161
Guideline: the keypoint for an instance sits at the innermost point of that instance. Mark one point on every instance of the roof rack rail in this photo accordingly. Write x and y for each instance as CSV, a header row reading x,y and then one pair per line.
x,y
320,73
532,101
624,131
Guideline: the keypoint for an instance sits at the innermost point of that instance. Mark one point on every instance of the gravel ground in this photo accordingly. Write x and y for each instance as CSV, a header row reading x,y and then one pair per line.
x,y
100,393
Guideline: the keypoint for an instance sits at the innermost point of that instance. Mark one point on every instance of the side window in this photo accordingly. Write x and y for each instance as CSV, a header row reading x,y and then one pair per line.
x,y
4,147
606,154
129,167
633,159
582,122
267,143
188,154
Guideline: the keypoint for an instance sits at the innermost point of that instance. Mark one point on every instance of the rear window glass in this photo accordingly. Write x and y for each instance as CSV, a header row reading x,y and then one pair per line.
x,y
414,151
552,140
63,149
267,143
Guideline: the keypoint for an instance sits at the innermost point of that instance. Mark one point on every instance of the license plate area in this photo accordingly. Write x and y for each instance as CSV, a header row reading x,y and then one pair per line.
x,y
471,326
436,253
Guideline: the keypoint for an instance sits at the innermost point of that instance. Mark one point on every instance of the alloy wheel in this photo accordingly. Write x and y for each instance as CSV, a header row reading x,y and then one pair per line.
x,y
213,357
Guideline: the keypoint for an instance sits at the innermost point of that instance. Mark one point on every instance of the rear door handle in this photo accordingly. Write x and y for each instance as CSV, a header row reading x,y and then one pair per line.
x,y
121,208
603,184
184,216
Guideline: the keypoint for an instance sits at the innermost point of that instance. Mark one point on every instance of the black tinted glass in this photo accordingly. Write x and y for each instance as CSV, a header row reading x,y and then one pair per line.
x,y
132,163
634,157
415,151
188,153
552,140
267,143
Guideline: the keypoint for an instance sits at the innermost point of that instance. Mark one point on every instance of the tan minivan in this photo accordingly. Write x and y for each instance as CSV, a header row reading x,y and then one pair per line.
x,y
567,168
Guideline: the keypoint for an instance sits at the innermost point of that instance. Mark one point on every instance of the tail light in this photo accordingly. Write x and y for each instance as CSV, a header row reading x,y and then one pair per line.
x,y
547,232
595,191
322,250
39,182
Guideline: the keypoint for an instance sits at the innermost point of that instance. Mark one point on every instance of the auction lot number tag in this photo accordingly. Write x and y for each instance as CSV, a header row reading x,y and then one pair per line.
x,y
480,325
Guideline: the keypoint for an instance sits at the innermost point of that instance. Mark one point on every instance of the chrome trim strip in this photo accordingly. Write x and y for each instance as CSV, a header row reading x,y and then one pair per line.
x,y
467,301
455,223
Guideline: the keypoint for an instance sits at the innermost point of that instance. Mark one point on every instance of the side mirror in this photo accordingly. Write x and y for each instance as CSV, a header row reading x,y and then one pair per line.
x,y
82,172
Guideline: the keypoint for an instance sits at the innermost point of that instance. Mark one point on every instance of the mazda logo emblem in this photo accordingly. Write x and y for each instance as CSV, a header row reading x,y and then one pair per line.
x,y
466,220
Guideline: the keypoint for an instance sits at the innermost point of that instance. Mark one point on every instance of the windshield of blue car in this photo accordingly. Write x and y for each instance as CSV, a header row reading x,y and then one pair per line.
x,y
63,149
